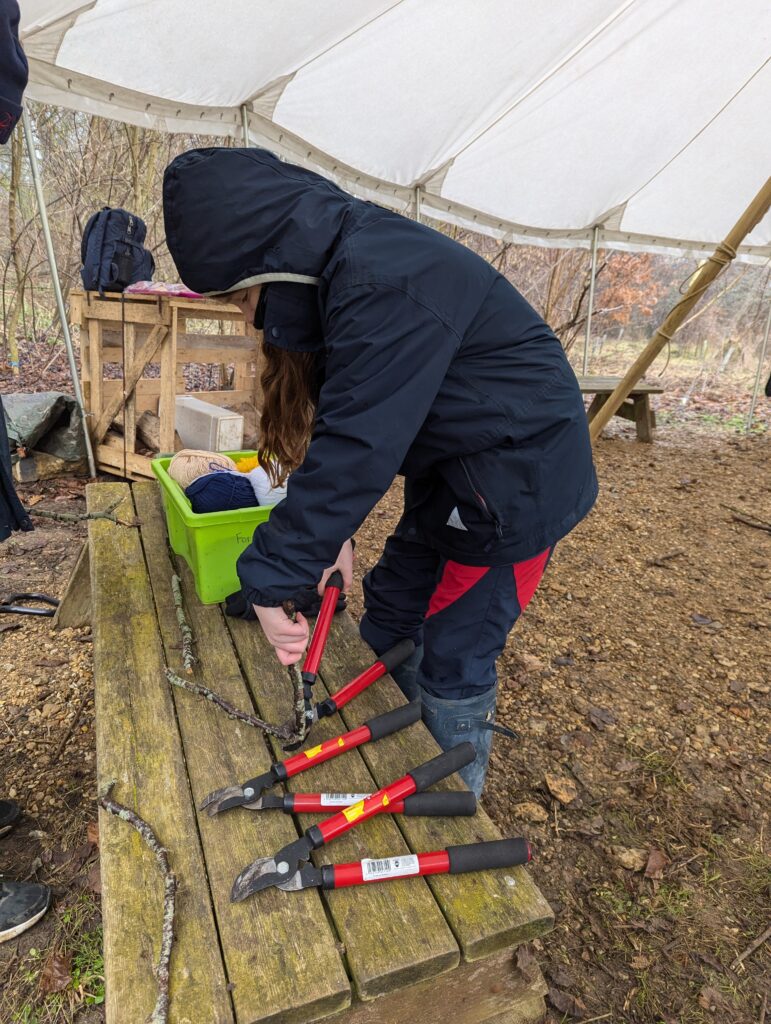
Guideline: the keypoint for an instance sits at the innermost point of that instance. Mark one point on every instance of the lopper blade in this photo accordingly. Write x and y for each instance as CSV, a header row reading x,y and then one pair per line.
x,y
238,796
267,871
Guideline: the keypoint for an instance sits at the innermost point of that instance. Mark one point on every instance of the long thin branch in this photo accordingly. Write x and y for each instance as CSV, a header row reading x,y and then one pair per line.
x,y
160,1014
281,732
83,517
188,655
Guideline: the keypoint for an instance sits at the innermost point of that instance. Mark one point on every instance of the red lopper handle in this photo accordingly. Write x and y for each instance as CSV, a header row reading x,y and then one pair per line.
x,y
323,622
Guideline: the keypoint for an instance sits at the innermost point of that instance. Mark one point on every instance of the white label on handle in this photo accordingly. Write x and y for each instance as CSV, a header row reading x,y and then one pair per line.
x,y
390,867
342,799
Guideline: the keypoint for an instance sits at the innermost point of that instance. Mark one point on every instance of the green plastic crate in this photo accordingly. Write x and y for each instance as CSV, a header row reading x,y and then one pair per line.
x,y
210,543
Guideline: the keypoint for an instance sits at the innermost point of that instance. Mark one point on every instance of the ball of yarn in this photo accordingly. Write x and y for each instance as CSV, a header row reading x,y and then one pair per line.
x,y
189,464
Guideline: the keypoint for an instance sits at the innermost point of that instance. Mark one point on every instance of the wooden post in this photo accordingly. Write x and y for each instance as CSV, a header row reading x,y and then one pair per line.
x,y
700,281
167,403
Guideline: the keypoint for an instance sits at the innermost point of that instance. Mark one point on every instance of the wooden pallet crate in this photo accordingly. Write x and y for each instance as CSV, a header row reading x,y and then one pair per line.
x,y
154,330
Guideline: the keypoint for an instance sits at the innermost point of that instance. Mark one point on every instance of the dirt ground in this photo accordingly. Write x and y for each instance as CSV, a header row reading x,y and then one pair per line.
x,y
638,681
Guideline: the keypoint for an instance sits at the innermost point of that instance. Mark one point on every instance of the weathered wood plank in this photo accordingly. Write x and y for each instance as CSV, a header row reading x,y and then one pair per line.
x,y
144,356
110,458
138,746
487,910
167,410
281,969
394,934
592,385
74,609
474,993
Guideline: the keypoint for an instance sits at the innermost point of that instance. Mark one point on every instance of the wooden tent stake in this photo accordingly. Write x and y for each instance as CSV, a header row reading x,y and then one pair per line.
x,y
700,281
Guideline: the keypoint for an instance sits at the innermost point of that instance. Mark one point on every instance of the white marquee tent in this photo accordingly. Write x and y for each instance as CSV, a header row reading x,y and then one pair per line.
x,y
528,120
640,124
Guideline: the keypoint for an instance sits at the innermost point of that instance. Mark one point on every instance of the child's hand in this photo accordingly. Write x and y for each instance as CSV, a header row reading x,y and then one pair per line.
x,y
344,565
289,638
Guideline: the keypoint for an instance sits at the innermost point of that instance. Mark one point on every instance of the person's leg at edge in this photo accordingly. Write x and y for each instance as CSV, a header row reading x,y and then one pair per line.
x,y
470,615
22,904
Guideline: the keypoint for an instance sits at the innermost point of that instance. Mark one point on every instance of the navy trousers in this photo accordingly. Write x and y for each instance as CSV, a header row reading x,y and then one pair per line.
x,y
460,614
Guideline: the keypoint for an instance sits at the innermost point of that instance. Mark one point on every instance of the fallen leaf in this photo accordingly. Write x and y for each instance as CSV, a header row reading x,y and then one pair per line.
x,y
56,974
92,832
94,878
566,1003
561,787
639,963
711,999
701,620
657,861
527,964
627,766
530,811
629,857
601,717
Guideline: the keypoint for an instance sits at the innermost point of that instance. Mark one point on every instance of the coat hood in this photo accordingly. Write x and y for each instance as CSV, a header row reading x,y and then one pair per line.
x,y
237,217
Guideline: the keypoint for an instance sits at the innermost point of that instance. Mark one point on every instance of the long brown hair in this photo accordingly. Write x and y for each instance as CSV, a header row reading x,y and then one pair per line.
x,y
290,394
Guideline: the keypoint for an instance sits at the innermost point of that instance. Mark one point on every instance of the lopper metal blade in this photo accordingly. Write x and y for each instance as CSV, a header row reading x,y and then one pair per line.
x,y
267,871
238,796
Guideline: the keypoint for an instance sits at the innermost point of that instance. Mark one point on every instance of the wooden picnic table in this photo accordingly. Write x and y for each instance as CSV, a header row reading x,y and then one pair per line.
x,y
636,408
401,951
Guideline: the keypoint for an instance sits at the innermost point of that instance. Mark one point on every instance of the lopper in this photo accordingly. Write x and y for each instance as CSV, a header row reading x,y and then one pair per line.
x,y
455,860
425,805
310,667
248,794
285,867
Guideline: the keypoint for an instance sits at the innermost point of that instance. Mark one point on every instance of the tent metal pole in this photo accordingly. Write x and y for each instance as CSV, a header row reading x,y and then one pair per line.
x,y
245,124
699,282
41,204
417,203
592,275
759,374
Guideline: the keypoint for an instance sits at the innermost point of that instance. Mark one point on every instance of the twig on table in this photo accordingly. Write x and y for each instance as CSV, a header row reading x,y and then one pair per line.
x,y
83,517
748,518
188,655
762,1018
160,1014
281,732
751,948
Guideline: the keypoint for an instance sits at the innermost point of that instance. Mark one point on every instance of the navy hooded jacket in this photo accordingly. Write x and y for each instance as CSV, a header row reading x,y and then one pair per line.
x,y
13,69
434,367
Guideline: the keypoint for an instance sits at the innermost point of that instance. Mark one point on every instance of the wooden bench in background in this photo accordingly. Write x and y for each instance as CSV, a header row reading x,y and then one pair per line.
x,y
636,408
412,950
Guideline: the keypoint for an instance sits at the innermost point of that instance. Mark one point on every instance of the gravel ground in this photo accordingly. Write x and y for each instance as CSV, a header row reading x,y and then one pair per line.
x,y
638,680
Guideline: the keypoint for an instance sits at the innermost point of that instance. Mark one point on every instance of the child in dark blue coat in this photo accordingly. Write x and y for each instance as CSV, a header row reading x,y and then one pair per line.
x,y
391,349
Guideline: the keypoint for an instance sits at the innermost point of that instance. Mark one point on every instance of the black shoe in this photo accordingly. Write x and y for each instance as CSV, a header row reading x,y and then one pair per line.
x,y
22,904
10,812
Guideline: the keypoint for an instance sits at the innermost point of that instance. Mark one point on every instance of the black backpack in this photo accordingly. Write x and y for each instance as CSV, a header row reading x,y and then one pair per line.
x,y
112,252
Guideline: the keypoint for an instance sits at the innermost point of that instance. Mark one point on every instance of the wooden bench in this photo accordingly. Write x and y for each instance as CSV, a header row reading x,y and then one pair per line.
x,y
395,952
636,408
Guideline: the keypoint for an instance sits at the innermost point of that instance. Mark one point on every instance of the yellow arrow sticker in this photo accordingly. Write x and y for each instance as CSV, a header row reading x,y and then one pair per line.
x,y
314,751
355,811
386,801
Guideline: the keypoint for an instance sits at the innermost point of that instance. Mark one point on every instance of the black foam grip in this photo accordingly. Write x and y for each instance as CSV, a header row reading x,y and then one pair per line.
x,y
437,805
399,653
335,580
499,853
393,721
445,764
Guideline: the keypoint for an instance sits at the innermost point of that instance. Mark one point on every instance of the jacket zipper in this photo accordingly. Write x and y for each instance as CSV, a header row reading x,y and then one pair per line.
x,y
488,511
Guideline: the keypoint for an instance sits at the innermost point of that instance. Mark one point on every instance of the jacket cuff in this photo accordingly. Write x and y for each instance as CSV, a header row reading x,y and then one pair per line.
x,y
10,113
253,597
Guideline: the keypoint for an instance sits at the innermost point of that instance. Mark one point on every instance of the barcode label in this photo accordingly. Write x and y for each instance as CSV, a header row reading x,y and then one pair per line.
x,y
390,867
341,799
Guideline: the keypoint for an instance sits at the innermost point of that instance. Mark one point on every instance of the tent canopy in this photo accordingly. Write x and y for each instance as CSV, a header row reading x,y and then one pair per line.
x,y
532,122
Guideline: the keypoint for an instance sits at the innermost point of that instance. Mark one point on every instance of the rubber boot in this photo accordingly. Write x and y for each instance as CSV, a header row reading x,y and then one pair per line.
x,y
405,675
454,721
